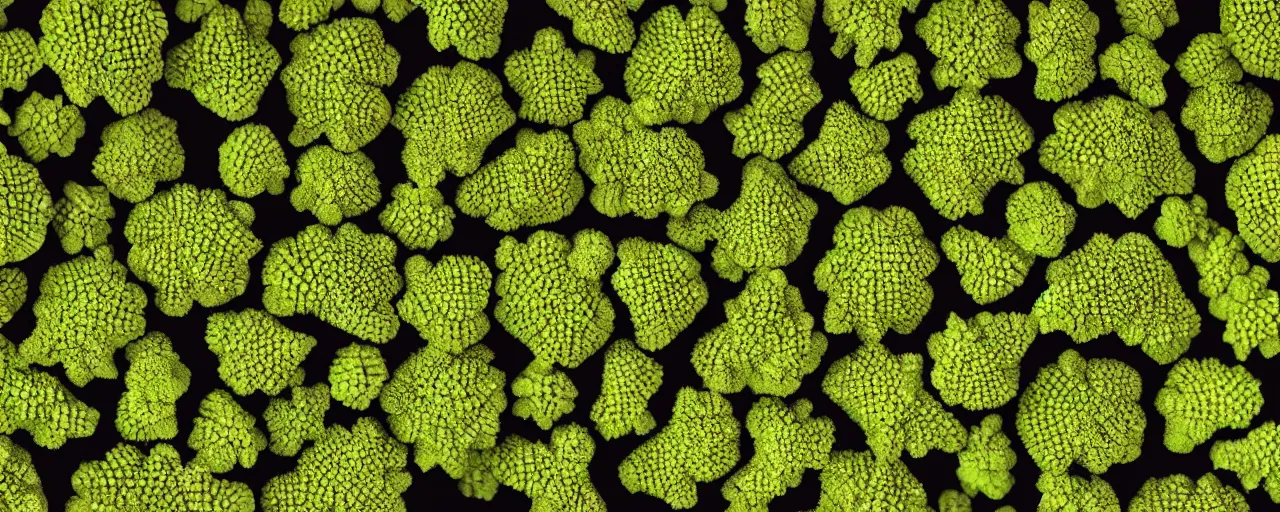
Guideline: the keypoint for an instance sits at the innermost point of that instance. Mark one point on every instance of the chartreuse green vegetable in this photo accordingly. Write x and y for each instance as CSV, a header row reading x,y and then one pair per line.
x,y
772,24
301,15
543,394
973,41
417,216
251,161
1255,201
129,479
1147,18
445,300
20,59
636,170
356,375
1227,117
699,444
191,11
107,48
787,442
1039,219
1122,285
683,67
82,217
847,158
986,460
630,379
1136,68
344,277
92,286
531,184
333,83
1179,493
26,211
952,500
333,185
44,126
225,434
163,232
297,420
865,26
771,124
256,352
964,148
473,28
603,24
448,116
38,403
976,361
18,477
4,20
1062,492
861,481
767,343
662,288
765,227
1082,411
884,394
228,63
1202,396
875,251
1208,60
1113,150
13,293
1252,458
885,87
358,469
1238,291
552,80
553,475
1063,38
138,152
1249,27
156,379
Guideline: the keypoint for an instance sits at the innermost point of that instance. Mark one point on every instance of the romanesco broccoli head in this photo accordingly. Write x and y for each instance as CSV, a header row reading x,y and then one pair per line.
x,y
883,89
82,217
1202,396
553,475
1251,31
862,481
127,478
26,211
156,379
990,268
1063,38
107,48
543,394
1254,200
602,24
226,65
1147,18
976,361
952,500
224,434
251,161
973,41
630,379
1039,219
662,287
533,183
1252,458
417,216
301,15
361,469
18,477
256,352
44,126
13,293
297,420
191,11
787,442
38,403
865,26
552,80
137,152
987,459
445,300
847,158
20,59
334,186
772,24
356,375
1136,68
1207,60
1227,119
1063,492
1179,493
682,67
699,444
772,123
472,27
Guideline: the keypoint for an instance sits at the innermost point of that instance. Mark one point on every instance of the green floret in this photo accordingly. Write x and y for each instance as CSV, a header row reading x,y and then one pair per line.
x,y
884,88
20,59
297,420
395,10
867,25
448,116
1136,68
1202,396
603,24
884,394
1123,286
550,295
543,394
976,362
990,268
82,217
772,123
1113,150
301,15
779,23
45,126
1063,38
1062,492
18,477
26,211
1254,199
637,170
662,287
417,216
683,67
334,186
952,500
358,469
93,286
167,229
767,343
533,183
251,161
1207,60
872,291
156,379
973,41
356,375
226,65
847,159
225,434
1252,458
38,403
551,79
630,379
862,481
987,459
1250,29
446,405
1084,411
766,226
107,48
13,293
787,442
128,479
699,444
256,352
1147,18
137,152
473,27
344,277
190,11
1179,493
445,300
334,81
964,148
1227,119
1039,219
553,475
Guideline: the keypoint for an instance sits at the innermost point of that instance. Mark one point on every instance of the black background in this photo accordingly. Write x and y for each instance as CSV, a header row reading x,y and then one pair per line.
x,y
201,133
